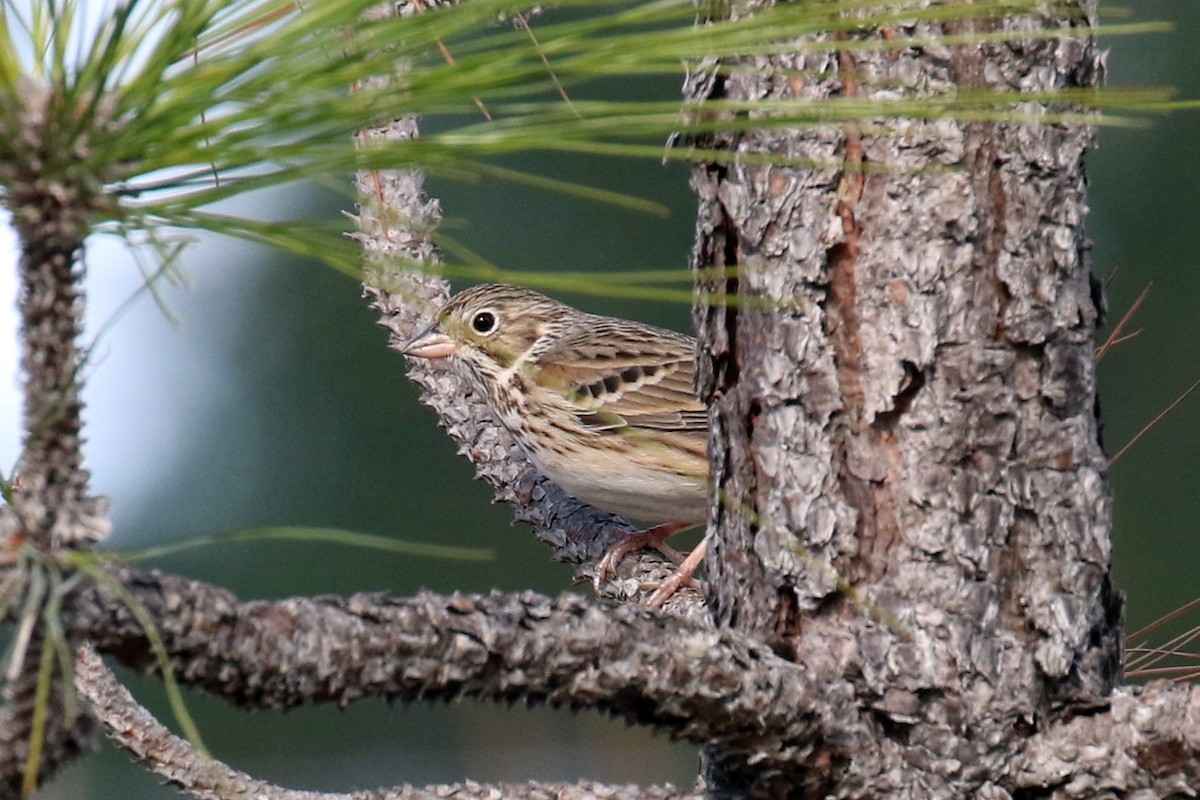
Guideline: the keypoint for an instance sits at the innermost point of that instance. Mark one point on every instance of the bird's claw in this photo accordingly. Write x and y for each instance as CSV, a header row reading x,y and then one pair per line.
x,y
606,567
686,566
683,576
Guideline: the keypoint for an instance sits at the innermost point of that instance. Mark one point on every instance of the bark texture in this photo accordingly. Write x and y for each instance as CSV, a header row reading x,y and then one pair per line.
x,y
176,760
699,683
909,583
52,503
906,389
52,508
686,678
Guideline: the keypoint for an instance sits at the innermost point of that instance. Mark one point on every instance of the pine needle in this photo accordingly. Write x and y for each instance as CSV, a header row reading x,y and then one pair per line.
x,y
1153,422
1115,337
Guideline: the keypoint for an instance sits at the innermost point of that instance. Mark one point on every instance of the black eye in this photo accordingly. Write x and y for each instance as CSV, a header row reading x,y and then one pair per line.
x,y
484,322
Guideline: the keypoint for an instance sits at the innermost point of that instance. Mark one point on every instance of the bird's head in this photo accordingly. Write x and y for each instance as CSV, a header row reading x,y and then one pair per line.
x,y
490,327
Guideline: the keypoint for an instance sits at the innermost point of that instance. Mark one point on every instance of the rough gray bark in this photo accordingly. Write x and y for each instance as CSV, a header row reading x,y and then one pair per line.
x,y
907,393
687,678
703,684
52,508
903,399
52,505
135,729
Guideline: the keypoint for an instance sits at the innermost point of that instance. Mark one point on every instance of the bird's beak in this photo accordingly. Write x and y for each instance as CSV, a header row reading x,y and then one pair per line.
x,y
430,343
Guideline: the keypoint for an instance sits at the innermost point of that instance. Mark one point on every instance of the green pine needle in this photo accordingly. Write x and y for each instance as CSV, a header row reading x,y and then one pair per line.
x,y
326,535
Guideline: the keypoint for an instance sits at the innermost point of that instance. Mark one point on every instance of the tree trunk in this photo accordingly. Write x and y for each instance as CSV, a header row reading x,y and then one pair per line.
x,y
911,495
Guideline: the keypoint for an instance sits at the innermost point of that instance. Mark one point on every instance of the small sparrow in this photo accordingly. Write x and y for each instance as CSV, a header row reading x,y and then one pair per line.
x,y
606,408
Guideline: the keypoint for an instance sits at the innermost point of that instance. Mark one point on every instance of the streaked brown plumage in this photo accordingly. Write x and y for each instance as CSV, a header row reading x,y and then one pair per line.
x,y
604,407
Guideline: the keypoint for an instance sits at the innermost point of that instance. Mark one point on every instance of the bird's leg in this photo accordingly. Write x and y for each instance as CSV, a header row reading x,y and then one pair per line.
x,y
655,537
682,577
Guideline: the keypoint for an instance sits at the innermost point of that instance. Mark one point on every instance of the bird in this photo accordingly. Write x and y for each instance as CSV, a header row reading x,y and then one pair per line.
x,y
604,407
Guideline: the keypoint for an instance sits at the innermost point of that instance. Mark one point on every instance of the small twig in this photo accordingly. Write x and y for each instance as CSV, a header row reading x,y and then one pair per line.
x,y
1145,630
1163,651
1151,656
1145,429
562,91
1115,337
1163,672
1122,339
137,730
449,57
1112,276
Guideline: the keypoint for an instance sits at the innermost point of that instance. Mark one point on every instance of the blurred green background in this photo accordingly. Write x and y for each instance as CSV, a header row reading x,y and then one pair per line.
x,y
275,401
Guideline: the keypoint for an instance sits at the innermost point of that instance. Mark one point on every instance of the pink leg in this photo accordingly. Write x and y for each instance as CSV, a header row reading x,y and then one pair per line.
x,y
654,537
682,576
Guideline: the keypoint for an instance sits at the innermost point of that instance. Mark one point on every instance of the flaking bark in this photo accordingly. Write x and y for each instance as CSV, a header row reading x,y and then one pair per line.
x,y
52,507
906,391
135,729
696,682
683,677
903,398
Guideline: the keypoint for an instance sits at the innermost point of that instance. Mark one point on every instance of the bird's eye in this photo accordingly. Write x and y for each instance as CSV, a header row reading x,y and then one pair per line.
x,y
484,322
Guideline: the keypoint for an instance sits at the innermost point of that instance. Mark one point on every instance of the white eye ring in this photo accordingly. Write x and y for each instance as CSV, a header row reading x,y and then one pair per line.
x,y
484,322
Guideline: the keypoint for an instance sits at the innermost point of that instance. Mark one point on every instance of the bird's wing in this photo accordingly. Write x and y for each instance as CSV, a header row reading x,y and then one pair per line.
x,y
619,373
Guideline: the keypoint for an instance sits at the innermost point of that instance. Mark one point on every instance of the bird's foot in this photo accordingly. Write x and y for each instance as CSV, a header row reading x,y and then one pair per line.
x,y
655,537
682,577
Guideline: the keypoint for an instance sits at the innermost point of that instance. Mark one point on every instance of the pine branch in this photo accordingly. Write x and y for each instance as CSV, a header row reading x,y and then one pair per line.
x,y
134,728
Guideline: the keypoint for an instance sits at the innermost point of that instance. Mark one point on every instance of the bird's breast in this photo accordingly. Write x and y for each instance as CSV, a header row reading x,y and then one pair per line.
x,y
645,476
